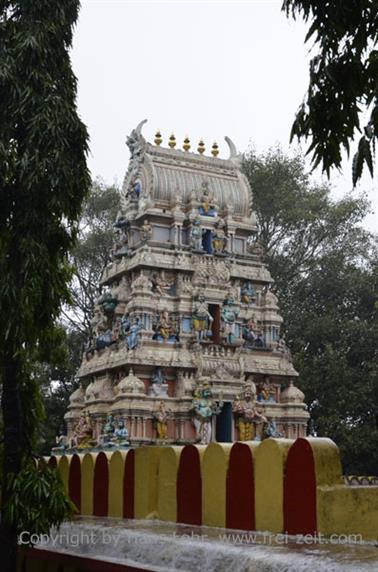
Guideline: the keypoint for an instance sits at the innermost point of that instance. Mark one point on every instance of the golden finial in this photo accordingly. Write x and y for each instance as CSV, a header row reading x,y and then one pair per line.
x,y
158,138
186,145
215,149
201,147
172,141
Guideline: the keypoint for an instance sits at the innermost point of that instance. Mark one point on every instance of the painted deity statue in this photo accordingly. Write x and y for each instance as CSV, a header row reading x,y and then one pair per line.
x,y
108,302
247,293
196,235
201,318
99,322
161,420
159,386
121,244
165,328
107,436
272,431
266,391
204,407
219,237
133,336
249,421
207,205
121,434
125,325
82,437
229,315
159,285
61,443
146,231
249,333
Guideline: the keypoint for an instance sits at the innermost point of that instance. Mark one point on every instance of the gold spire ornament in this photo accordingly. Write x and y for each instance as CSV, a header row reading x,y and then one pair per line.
x,y
201,147
172,141
215,149
186,145
158,138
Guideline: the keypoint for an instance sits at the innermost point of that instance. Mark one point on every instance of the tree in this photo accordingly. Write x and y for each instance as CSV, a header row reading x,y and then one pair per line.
x,y
91,253
43,179
57,378
343,81
325,269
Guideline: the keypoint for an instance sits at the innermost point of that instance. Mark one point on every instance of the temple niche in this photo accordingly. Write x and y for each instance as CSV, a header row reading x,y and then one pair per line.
x,y
186,344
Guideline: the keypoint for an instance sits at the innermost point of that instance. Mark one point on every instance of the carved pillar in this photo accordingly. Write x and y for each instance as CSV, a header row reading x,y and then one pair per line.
x,y
144,424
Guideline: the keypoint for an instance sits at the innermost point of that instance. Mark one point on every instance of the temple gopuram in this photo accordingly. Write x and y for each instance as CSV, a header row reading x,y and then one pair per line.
x,y
186,344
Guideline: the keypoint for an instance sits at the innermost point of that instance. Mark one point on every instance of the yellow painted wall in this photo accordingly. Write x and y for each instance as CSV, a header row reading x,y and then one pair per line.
x,y
167,483
348,510
87,477
64,467
214,474
115,493
340,509
146,481
327,461
269,461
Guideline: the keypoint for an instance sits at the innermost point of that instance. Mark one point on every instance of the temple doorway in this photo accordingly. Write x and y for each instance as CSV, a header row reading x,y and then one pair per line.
x,y
214,310
223,424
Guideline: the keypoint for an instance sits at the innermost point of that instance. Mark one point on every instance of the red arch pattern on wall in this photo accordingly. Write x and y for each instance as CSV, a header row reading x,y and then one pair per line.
x,y
300,489
189,487
240,489
100,485
128,485
74,481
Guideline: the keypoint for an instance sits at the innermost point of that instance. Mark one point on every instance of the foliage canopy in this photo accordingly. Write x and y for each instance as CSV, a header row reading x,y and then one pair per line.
x,y
325,269
43,181
343,81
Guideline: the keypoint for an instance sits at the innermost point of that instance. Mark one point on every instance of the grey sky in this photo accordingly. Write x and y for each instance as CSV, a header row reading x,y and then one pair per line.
x,y
206,69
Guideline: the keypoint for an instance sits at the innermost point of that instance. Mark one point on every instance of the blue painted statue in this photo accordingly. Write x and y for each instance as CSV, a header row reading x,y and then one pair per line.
x,y
134,334
247,293
121,434
196,235
207,206
104,340
108,302
271,430
124,326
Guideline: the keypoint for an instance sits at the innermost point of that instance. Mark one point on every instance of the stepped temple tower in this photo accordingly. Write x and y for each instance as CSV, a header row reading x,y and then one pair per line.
x,y
186,342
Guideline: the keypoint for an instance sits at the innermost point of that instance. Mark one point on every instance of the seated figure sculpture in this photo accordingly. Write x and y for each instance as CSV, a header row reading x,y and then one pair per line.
x,y
106,438
219,238
165,328
82,437
114,434
247,293
159,386
207,205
